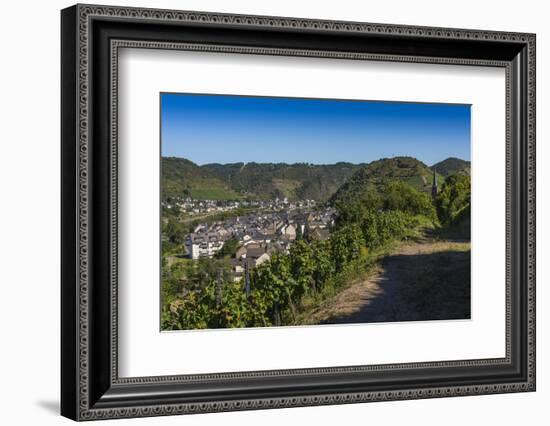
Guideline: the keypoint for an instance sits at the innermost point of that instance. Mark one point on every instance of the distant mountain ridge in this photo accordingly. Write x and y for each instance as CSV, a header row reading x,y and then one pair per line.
x,y
181,177
451,166
293,181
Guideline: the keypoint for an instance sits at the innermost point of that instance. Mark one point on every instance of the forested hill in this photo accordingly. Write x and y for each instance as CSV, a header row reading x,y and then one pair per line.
x,y
371,176
294,181
183,178
452,165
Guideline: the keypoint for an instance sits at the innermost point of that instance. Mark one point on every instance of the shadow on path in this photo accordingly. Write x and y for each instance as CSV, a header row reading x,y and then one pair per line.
x,y
413,287
456,234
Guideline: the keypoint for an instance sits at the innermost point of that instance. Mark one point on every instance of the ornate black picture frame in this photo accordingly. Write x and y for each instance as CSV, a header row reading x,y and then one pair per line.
x,y
91,388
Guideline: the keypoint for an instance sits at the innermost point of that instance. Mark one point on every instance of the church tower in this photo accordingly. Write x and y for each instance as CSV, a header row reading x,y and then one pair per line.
x,y
434,185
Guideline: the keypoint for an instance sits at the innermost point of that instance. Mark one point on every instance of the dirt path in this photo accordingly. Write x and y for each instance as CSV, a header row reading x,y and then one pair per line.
x,y
427,279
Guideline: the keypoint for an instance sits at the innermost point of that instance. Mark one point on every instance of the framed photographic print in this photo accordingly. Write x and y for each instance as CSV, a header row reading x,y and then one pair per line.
x,y
263,212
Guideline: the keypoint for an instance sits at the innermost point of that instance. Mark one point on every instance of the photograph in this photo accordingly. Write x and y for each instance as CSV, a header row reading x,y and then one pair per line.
x,y
279,211
264,209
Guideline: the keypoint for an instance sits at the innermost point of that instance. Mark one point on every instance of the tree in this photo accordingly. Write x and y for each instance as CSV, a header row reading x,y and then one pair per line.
x,y
228,249
399,195
393,195
453,202
174,231
352,210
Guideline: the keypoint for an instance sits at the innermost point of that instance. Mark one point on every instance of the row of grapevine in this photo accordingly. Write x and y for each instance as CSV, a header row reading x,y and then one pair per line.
x,y
277,287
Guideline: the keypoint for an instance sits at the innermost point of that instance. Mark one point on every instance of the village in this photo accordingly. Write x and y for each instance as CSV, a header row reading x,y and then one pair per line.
x,y
193,207
259,235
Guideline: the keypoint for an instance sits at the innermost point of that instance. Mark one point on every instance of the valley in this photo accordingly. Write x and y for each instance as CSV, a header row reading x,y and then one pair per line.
x,y
288,244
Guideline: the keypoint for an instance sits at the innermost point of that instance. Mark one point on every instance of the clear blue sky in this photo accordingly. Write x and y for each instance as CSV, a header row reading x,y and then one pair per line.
x,y
231,129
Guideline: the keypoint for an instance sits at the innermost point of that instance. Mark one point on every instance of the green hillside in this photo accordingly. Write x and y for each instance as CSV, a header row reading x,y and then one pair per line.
x,y
372,175
452,165
294,181
183,178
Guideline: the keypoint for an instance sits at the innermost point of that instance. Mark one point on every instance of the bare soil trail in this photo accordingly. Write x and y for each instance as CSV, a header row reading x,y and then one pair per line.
x,y
423,280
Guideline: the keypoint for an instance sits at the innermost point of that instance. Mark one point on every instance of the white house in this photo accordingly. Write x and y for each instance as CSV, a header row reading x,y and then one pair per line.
x,y
263,258
202,246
